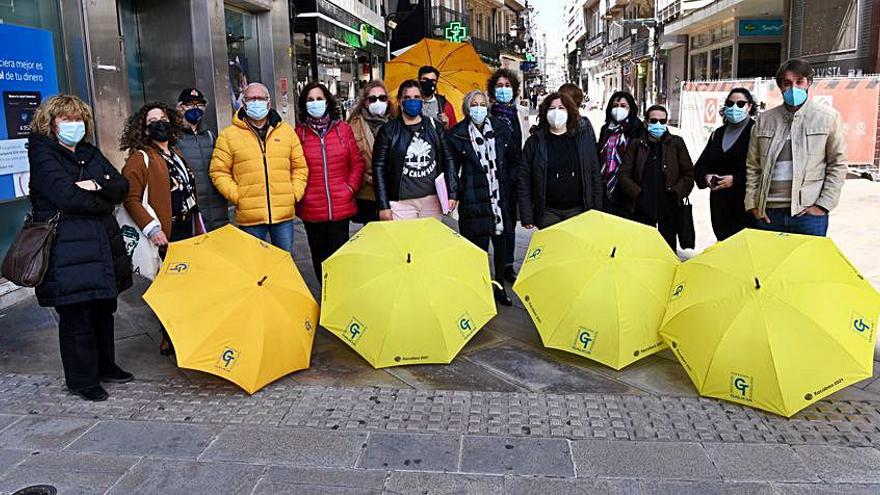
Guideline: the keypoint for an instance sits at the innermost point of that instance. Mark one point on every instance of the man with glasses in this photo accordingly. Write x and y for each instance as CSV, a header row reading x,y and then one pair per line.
x,y
258,165
435,106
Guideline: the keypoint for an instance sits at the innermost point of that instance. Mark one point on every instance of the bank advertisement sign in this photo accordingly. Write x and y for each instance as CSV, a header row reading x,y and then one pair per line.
x,y
27,77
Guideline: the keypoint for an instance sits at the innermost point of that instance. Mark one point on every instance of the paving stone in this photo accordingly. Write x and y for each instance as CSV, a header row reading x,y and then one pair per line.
x,y
842,464
411,452
661,460
147,439
702,488
44,433
825,489
70,472
6,420
461,374
11,457
403,482
659,376
511,455
527,485
298,447
749,462
303,481
178,476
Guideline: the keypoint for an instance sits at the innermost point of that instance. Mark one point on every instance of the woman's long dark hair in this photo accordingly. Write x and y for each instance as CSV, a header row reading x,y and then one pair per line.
x,y
573,123
748,94
332,108
633,124
134,135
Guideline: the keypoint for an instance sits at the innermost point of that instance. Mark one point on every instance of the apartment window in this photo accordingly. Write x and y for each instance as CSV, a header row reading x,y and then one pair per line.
x,y
830,26
722,62
699,67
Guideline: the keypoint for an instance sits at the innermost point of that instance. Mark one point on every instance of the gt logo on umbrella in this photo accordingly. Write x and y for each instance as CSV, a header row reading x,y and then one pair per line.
x,y
535,254
741,387
677,291
465,325
178,267
354,331
228,359
862,326
584,340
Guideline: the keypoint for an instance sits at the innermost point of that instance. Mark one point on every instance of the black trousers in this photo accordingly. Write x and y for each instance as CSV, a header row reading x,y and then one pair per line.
x,y
667,225
324,239
499,254
86,334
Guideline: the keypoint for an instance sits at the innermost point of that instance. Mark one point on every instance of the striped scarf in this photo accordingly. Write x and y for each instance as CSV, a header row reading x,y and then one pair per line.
x,y
611,151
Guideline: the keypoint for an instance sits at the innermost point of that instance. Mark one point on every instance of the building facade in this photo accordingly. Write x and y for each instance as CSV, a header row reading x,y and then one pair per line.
x,y
498,30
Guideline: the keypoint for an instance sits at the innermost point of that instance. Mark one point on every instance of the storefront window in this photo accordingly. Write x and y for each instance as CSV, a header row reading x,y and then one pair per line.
x,y
757,59
722,62
244,51
699,67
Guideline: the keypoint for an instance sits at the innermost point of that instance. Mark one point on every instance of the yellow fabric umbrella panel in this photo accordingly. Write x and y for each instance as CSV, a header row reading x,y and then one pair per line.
x,y
773,321
236,307
596,286
406,292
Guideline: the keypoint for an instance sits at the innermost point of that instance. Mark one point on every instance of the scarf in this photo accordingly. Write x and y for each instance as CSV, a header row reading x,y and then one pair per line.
x,y
320,125
615,144
183,189
485,149
374,121
507,112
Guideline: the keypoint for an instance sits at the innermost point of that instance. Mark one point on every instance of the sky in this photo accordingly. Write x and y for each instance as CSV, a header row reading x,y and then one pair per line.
x,y
549,17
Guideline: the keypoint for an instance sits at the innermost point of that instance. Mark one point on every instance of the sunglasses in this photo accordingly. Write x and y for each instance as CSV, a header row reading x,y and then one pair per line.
x,y
741,103
657,121
374,98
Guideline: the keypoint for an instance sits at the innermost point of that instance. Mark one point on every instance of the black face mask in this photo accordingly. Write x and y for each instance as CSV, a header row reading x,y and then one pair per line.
x,y
428,87
159,131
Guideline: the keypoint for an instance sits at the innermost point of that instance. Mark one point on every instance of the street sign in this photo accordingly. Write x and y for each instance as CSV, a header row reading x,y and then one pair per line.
x,y
527,66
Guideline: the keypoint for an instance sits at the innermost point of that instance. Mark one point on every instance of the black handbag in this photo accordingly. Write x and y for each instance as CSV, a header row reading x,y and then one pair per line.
x,y
687,236
27,260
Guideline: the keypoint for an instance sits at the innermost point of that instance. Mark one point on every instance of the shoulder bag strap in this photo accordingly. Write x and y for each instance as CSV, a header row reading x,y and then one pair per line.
x,y
146,198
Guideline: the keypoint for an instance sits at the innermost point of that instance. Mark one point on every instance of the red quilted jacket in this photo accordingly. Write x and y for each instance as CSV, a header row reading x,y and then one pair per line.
x,y
335,171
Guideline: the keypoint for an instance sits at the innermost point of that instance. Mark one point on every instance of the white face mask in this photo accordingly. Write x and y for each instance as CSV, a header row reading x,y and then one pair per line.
x,y
557,118
378,108
619,114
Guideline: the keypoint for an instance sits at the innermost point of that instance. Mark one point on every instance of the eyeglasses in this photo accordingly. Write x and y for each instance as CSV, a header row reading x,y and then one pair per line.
x,y
740,103
374,98
657,121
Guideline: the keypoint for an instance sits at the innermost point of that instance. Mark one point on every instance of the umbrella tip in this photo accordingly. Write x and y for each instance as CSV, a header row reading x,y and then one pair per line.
x,y
613,251
262,280
757,283
408,257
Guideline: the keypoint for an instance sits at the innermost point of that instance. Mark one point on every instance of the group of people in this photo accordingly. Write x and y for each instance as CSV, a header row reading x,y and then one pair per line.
x,y
388,162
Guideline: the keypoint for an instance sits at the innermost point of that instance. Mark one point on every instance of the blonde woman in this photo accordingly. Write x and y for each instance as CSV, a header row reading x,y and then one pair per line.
x,y
371,113
88,266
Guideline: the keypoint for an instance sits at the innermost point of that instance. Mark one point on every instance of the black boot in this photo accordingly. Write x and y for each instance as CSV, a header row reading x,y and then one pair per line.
x,y
501,296
95,393
510,274
118,376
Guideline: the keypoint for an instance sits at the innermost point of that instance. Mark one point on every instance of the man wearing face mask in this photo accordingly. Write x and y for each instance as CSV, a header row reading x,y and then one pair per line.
x,y
435,106
795,168
258,165
196,144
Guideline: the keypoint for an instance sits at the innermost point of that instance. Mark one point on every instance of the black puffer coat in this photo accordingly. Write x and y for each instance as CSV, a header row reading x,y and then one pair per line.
x,y
197,148
475,215
88,259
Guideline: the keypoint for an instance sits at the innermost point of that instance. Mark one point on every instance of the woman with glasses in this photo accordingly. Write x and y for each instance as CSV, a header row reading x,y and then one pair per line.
x,y
722,166
367,117
657,174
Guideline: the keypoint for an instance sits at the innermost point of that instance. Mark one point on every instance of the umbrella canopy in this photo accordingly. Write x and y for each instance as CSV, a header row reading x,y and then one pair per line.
x,y
461,69
773,321
596,286
236,307
407,292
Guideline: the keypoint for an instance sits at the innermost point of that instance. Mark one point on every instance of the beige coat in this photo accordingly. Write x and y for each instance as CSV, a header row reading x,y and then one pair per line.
x,y
818,147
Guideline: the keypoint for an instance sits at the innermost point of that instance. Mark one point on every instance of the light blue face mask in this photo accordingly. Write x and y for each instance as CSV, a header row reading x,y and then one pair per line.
x,y
316,108
735,115
503,94
657,129
71,133
478,114
794,97
257,110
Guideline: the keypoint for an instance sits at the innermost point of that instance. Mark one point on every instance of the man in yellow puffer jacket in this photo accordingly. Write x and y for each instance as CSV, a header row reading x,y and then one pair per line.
x,y
258,165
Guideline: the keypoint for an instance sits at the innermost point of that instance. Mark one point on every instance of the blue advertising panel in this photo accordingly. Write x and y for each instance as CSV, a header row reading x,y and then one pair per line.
x,y
27,77
760,27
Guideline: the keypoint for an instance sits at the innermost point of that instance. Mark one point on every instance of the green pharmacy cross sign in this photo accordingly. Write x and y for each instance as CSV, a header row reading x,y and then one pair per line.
x,y
455,32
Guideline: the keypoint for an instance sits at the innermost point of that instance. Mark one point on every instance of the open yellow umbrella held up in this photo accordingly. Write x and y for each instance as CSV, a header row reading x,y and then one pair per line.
x,y
772,321
236,307
406,292
595,285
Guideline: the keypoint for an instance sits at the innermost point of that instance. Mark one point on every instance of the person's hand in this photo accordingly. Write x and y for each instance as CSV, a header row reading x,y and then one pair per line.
x,y
813,211
709,180
724,182
529,226
159,239
443,118
385,215
452,204
759,216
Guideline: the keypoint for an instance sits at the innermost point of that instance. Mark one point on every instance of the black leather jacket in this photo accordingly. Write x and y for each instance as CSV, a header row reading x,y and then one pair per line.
x,y
389,154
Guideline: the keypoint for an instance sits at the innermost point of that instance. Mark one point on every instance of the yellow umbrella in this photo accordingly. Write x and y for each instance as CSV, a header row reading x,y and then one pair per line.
x,y
236,307
596,286
406,292
773,321
461,69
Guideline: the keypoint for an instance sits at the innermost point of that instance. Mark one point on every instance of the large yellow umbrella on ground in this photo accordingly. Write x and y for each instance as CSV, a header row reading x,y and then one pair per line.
x,y
461,69
596,286
773,321
407,292
236,307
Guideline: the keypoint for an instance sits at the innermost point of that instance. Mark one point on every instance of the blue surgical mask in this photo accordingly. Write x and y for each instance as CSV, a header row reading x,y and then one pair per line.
x,y
735,114
194,115
794,97
478,114
657,129
316,108
71,133
257,110
503,94
412,107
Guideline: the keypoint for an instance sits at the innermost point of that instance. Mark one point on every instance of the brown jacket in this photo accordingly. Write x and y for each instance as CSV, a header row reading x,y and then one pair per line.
x,y
365,140
677,168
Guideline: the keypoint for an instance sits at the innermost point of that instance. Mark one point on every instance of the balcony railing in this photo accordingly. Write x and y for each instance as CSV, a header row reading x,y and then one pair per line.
x,y
441,16
623,46
486,49
640,47
596,43
511,44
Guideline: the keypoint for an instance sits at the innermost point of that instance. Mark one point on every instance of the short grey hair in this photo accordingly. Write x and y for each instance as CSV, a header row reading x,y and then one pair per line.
x,y
468,98
256,85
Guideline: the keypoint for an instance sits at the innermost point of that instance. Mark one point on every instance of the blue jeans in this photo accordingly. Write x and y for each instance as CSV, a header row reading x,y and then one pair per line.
x,y
782,221
280,233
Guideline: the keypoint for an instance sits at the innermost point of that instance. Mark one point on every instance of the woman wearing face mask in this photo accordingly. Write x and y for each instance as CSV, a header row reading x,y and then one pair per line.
x,y
622,125
88,266
370,114
486,154
154,162
336,169
559,177
722,166
410,153
656,176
